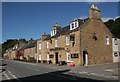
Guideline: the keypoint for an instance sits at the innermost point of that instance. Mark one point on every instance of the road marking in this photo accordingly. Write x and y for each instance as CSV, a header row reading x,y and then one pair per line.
x,y
26,63
14,76
83,72
6,75
115,77
33,69
93,74
109,70
101,75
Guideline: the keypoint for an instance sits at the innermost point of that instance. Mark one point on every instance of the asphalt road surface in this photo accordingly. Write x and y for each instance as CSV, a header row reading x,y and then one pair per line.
x,y
19,72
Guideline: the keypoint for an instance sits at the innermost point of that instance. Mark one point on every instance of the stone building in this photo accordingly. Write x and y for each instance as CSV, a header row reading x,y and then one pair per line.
x,y
83,42
30,52
116,49
43,48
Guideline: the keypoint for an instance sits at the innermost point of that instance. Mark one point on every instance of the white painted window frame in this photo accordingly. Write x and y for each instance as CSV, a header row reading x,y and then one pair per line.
x,y
67,40
107,40
56,42
47,44
68,56
40,46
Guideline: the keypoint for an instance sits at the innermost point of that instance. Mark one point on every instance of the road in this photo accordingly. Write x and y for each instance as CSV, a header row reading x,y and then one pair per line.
x,y
20,71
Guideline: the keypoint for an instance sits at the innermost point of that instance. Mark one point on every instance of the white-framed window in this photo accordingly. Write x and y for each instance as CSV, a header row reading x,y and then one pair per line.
x,y
56,42
115,41
40,46
107,40
68,57
76,24
54,32
72,25
67,39
51,33
115,54
39,57
47,44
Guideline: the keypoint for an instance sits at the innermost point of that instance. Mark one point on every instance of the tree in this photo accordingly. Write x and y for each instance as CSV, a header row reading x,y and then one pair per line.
x,y
31,40
114,27
8,44
22,41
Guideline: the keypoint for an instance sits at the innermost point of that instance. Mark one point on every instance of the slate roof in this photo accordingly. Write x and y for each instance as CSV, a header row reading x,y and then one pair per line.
x,y
66,29
48,37
33,44
23,47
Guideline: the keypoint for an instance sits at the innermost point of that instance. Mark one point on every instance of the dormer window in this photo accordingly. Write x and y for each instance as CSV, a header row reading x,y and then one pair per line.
x,y
74,25
54,32
55,29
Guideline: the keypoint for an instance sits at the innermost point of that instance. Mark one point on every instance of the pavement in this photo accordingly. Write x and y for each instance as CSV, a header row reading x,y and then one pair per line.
x,y
24,70
102,72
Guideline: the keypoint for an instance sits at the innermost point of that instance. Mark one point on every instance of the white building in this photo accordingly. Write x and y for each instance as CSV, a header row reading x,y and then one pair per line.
x,y
116,49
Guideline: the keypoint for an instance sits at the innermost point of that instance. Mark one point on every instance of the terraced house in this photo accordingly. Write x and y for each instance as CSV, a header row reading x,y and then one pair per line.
x,y
30,51
43,48
83,42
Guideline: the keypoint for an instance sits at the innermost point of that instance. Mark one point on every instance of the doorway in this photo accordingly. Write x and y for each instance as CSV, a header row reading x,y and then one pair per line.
x,y
85,58
56,57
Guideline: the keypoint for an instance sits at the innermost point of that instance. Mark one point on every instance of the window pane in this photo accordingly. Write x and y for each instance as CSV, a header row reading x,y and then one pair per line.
x,y
56,42
67,40
107,40
68,56
115,41
74,55
72,38
72,26
51,56
115,54
47,44
75,24
39,46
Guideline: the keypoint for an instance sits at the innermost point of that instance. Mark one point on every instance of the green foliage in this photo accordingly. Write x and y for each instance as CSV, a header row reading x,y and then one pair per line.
x,y
22,41
114,27
31,40
10,43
